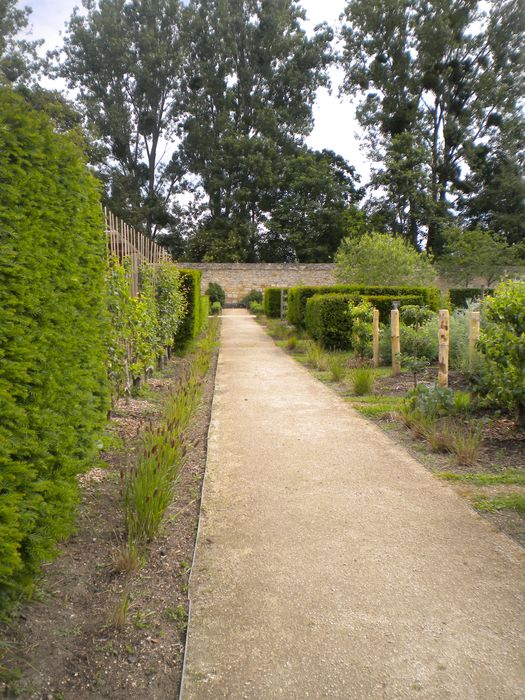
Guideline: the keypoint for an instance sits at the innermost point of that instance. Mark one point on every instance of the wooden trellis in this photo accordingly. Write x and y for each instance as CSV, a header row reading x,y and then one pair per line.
x,y
125,242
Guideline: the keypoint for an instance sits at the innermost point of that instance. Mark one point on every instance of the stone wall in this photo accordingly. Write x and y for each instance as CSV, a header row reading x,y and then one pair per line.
x,y
238,279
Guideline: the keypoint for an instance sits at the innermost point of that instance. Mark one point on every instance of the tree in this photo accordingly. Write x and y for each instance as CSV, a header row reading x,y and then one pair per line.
x,y
124,57
309,207
18,59
379,258
442,72
475,254
502,342
251,76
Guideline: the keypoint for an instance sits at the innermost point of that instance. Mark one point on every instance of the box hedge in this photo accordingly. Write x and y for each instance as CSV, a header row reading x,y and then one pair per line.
x,y
328,320
385,303
298,296
54,332
272,301
190,281
459,297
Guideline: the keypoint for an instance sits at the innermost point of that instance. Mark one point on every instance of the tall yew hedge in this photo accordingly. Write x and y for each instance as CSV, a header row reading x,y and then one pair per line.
x,y
53,336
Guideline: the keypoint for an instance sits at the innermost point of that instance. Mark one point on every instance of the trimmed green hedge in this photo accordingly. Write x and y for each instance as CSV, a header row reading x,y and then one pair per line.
x,y
54,334
298,296
460,296
385,303
272,301
328,320
190,281
205,311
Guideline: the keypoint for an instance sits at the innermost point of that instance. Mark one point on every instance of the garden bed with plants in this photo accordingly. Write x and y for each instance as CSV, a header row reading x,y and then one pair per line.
x,y
468,434
109,615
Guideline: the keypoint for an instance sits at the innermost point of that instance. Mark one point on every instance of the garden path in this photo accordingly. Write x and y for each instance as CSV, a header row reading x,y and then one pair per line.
x,y
329,562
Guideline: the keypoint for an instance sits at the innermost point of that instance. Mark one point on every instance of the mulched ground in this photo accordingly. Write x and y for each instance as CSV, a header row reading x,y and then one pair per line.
x,y
92,631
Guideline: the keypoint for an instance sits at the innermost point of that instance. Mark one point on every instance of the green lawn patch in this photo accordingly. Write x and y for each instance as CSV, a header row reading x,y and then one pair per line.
x,y
507,476
375,406
513,501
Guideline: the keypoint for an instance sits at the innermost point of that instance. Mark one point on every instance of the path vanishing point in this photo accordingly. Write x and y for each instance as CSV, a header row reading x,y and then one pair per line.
x,y
329,562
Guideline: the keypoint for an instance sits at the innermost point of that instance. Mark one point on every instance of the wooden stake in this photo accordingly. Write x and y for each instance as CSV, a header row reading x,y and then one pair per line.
x,y
444,337
375,332
473,336
396,346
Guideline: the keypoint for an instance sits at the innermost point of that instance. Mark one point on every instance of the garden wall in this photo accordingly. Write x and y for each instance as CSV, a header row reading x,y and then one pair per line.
x,y
238,279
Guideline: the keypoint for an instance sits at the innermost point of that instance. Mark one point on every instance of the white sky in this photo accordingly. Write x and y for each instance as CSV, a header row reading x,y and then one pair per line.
x,y
335,125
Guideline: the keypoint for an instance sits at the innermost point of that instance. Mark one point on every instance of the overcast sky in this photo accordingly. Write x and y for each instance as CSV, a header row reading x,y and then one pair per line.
x,y
335,126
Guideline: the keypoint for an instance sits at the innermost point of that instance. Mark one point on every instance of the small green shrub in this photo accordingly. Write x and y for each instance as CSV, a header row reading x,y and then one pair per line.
x,y
502,342
430,401
361,317
272,301
253,295
415,316
256,308
216,293
462,402
362,380
328,320
216,308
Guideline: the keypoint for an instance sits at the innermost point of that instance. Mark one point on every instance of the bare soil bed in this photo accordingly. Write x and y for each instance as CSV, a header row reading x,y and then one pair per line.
x,y
92,629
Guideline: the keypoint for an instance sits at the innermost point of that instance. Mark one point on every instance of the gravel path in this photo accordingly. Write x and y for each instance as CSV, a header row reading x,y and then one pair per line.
x,y
331,564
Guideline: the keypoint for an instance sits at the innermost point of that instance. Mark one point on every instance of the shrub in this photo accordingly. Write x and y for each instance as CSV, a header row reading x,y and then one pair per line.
x,y
291,342
380,258
190,284
272,301
216,308
361,317
328,320
253,295
256,308
430,401
216,293
385,303
460,298
298,296
205,312
54,333
362,379
502,342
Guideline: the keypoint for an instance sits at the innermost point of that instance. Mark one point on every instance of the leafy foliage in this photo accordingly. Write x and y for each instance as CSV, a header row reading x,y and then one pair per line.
x,y
272,301
378,258
216,293
196,315
328,320
440,87
53,336
361,315
502,342
380,297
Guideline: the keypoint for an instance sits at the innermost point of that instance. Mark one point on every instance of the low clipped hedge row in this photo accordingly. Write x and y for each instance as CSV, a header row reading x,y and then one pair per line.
x,y
272,301
327,319
460,296
298,296
196,314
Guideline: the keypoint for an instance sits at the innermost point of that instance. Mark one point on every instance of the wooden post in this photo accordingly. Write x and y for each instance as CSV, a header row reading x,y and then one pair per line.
x,y
473,335
444,334
375,333
396,346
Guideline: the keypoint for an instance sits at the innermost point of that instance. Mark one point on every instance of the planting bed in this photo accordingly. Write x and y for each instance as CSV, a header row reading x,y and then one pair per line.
x,y
94,631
